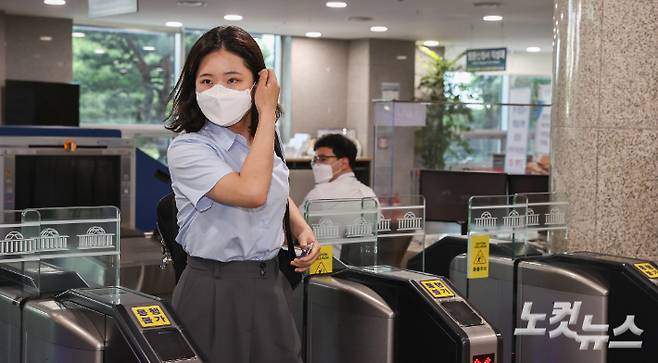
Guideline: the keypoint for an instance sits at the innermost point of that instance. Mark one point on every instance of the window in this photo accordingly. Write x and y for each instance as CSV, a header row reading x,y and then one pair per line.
x,y
125,76
489,114
266,42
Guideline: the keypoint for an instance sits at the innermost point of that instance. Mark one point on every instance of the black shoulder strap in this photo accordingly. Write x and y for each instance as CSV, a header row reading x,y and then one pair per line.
x,y
286,218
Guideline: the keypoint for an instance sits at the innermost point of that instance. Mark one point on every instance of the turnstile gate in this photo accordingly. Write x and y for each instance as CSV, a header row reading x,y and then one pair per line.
x,y
607,288
108,324
384,314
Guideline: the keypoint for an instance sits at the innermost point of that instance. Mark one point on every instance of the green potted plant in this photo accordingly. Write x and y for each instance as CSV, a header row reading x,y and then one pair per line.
x,y
447,117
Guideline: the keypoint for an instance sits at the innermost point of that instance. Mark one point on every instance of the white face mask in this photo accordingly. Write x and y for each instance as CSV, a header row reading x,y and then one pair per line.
x,y
322,173
224,106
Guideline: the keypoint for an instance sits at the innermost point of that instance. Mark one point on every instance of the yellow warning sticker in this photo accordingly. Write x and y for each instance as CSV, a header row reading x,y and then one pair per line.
x,y
150,316
648,269
478,256
437,288
324,263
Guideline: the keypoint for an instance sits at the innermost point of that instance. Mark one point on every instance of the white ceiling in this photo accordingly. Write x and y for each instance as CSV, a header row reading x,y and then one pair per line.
x,y
526,22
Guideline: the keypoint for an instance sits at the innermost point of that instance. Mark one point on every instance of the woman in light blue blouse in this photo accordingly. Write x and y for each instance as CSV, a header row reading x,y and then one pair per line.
x,y
231,193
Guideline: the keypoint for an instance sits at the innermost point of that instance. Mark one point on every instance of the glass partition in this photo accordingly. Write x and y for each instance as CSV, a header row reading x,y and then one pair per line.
x,y
502,218
19,263
349,225
546,221
50,250
400,229
501,137
370,232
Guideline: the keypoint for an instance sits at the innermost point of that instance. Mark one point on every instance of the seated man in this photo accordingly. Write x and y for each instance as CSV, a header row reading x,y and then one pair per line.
x,y
335,156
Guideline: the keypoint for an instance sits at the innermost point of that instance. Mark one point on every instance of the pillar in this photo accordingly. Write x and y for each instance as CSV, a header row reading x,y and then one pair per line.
x,y
605,123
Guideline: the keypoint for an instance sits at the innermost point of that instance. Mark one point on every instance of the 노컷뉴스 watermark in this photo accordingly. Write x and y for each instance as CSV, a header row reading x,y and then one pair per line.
x,y
562,310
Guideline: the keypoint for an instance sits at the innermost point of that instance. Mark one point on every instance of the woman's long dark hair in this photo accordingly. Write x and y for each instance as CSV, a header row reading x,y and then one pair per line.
x,y
185,113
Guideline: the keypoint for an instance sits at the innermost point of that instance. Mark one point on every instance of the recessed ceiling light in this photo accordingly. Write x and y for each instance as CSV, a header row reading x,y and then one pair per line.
x,y
401,57
232,17
190,3
45,38
533,49
378,29
492,18
78,35
431,43
336,4
313,34
54,2
148,48
99,51
174,24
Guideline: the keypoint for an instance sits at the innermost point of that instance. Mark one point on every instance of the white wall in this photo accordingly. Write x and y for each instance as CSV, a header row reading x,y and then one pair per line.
x,y
24,56
319,70
358,90
31,59
3,57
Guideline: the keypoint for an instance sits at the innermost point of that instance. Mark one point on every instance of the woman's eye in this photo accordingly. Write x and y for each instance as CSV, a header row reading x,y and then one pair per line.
x,y
206,81
233,81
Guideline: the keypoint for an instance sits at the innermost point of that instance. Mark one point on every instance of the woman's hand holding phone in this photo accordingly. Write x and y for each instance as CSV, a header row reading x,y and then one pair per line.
x,y
310,251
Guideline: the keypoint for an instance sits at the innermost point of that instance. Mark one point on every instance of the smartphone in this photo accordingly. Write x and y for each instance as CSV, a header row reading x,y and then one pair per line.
x,y
306,250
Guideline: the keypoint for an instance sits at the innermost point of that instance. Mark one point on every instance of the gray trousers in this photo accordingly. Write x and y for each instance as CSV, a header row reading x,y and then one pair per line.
x,y
238,312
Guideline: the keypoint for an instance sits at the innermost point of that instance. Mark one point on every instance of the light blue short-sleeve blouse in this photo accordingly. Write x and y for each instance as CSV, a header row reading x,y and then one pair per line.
x,y
211,230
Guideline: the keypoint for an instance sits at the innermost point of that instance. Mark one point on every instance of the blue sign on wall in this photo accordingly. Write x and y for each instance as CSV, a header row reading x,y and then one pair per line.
x,y
494,59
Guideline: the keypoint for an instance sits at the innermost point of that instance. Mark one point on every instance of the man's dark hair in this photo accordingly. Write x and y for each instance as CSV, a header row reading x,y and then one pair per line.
x,y
340,145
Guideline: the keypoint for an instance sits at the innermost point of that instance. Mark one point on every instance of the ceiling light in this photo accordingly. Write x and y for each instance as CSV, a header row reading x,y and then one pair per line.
x,y
190,3
313,34
401,57
78,34
378,29
148,48
54,2
533,49
45,38
232,17
174,24
431,43
99,51
336,4
492,18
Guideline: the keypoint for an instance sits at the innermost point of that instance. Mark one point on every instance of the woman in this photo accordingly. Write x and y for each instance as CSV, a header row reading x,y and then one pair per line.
x,y
231,193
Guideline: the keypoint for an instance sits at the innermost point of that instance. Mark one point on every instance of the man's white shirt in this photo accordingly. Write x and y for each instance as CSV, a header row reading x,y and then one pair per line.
x,y
346,186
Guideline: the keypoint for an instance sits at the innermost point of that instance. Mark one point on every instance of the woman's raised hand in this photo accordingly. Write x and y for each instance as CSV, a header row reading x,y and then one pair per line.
x,y
267,92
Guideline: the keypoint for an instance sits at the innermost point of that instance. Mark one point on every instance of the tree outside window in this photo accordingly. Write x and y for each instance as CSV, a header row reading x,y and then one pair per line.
x,y
125,76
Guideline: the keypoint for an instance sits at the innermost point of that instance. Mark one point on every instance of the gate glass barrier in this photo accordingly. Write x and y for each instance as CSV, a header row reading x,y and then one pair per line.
x,y
368,231
50,249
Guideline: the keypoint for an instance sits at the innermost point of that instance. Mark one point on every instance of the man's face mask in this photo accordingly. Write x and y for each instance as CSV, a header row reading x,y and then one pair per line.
x,y
322,173
224,106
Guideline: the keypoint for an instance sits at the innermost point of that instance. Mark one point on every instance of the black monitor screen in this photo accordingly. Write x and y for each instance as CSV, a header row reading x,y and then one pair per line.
x,y
527,184
67,180
447,192
41,103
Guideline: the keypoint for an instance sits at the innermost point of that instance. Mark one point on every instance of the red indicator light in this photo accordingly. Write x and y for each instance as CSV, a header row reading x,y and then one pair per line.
x,y
485,358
